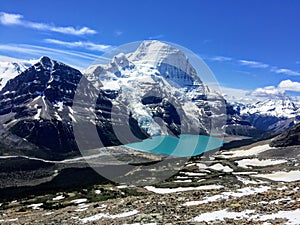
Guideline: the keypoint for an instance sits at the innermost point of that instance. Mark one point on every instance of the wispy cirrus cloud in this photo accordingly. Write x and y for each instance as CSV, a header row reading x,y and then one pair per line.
x,y
286,71
253,64
118,33
80,44
221,58
77,59
9,19
155,37
40,50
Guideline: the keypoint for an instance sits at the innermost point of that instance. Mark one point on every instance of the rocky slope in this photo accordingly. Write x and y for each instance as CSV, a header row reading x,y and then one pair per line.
x,y
288,138
31,107
254,184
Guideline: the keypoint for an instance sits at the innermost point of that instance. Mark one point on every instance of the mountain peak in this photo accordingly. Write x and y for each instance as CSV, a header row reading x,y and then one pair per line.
x,y
156,52
170,61
45,60
280,106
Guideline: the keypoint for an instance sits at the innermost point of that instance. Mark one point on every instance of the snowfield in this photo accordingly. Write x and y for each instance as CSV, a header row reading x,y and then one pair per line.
x,y
107,216
293,216
290,176
247,152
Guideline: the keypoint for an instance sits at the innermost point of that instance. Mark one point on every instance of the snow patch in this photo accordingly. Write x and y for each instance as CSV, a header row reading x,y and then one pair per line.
x,y
225,195
220,167
38,114
79,200
245,163
107,216
97,192
221,215
247,152
58,198
192,174
290,176
35,206
181,189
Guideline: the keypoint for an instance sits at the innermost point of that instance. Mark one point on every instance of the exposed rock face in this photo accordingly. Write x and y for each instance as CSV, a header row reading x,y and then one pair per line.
x,y
35,105
9,70
288,138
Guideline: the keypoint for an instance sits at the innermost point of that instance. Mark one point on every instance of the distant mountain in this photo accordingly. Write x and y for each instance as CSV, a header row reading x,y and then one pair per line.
x,y
276,114
9,70
288,138
236,125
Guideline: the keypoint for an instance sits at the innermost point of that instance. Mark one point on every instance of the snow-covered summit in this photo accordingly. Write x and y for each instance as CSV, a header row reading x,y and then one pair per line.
x,y
280,106
10,69
150,58
171,62
157,70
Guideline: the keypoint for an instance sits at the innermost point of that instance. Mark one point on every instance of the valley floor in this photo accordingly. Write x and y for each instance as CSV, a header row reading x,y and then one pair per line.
x,y
254,184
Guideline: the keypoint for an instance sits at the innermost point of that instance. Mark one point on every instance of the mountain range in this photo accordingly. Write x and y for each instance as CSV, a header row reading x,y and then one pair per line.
x,y
153,90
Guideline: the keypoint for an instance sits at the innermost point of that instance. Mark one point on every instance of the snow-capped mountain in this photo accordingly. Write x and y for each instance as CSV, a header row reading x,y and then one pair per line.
x,y
152,79
35,107
278,113
10,69
151,91
277,107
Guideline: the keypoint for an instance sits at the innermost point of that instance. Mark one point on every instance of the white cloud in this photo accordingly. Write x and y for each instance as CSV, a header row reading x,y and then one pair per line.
x,y
9,19
288,85
267,91
283,86
80,44
220,58
253,64
287,72
233,94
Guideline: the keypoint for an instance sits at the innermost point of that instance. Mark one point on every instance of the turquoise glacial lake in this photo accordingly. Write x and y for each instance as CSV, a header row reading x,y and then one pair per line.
x,y
184,146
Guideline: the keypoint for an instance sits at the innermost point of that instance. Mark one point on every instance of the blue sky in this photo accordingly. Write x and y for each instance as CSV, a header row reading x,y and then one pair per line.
x,y
249,45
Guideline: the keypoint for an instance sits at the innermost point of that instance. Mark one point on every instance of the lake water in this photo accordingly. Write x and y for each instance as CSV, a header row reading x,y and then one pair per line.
x,y
185,145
